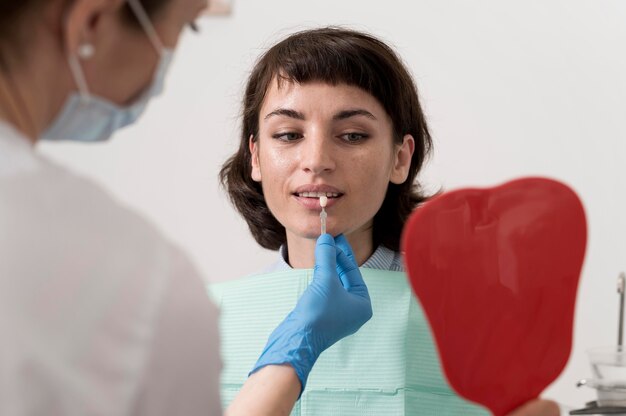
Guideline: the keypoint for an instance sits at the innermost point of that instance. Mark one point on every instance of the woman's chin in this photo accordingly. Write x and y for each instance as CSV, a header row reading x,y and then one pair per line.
x,y
311,233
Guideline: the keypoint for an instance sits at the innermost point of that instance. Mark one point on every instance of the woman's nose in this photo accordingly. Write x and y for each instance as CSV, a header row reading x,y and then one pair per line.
x,y
317,155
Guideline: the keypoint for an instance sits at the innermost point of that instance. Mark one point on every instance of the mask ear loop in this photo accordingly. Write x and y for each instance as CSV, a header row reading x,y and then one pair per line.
x,y
147,25
79,78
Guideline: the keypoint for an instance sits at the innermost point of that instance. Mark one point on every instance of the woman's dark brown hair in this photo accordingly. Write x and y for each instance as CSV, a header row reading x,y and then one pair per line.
x,y
335,56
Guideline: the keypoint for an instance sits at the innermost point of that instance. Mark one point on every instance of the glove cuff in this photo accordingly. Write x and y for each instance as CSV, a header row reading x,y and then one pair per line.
x,y
289,347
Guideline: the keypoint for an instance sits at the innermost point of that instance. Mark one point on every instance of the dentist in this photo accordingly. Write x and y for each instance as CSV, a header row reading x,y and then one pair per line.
x,y
99,313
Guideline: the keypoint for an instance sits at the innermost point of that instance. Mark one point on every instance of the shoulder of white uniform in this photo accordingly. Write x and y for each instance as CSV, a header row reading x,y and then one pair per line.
x,y
58,213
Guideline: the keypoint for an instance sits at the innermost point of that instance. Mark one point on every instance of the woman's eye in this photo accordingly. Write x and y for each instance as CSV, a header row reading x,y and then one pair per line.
x,y
354,137
287,137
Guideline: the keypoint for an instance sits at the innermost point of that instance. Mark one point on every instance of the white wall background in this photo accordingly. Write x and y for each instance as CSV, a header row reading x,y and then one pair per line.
x,y
511,88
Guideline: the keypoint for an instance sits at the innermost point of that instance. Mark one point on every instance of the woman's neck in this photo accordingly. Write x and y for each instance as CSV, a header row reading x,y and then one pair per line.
x,y
12,109
301,250
33,89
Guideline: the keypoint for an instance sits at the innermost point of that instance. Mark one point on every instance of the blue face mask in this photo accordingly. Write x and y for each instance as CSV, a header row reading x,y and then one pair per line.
x,y
89,118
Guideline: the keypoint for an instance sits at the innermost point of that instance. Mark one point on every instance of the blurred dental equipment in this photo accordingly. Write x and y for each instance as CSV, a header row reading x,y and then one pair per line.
x,y
323,215
608,365
621,282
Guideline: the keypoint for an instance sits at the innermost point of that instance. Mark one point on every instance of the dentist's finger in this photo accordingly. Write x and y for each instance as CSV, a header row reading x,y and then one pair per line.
x,y
325,258
342,243
350,275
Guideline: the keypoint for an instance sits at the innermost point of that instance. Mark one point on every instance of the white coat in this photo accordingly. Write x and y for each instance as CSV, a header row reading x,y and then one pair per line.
x,y
99,314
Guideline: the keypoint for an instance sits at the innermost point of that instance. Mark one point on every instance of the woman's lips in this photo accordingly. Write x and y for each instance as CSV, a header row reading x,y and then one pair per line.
x,y
313,202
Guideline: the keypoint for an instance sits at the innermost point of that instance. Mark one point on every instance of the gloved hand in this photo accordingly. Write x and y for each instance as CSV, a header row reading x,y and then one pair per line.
x,y
336,304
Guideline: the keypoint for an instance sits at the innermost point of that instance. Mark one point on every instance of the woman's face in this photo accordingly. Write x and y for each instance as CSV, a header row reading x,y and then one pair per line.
x,y
320,139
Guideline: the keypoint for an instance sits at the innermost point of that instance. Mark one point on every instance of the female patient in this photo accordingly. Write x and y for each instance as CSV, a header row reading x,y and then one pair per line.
x,y
333,112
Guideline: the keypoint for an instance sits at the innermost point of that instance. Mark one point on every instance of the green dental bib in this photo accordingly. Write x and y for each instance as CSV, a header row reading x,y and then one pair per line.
x,y
389,367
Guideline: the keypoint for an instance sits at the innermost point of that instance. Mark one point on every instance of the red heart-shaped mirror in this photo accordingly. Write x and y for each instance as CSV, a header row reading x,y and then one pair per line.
x,y
496,271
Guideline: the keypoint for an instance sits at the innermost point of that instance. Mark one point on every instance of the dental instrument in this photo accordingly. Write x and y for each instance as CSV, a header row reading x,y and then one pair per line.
x,y
323,215
621,283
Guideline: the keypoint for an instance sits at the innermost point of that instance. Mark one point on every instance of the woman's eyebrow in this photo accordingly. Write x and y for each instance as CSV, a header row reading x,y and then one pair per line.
x,y
342,115
287,113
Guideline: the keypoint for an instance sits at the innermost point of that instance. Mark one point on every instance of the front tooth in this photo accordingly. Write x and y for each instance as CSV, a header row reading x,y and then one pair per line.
x,y
318,194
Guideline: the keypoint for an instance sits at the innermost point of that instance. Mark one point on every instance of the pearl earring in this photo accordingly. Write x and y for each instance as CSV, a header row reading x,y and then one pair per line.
x,y
86,51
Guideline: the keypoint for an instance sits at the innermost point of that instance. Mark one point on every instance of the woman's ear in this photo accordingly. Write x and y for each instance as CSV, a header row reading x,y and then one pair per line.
x,y
402,160
81,21
254,159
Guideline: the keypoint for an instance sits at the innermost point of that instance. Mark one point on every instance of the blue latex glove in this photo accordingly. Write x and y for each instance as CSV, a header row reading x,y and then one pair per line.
x,y
336,304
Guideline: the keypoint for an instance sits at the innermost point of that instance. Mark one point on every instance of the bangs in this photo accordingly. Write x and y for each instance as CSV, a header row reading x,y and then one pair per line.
x,y
330,60
323,64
